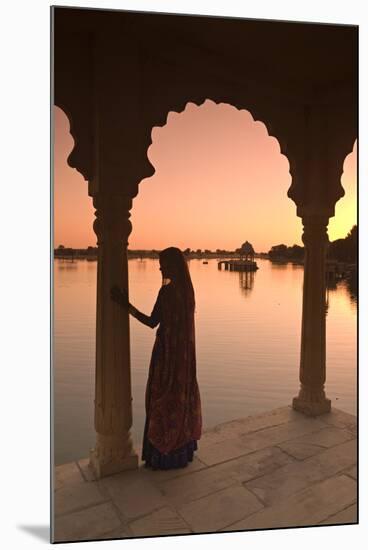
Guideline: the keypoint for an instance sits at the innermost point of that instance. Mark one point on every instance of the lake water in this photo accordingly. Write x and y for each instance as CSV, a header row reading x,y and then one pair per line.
x,y
248,344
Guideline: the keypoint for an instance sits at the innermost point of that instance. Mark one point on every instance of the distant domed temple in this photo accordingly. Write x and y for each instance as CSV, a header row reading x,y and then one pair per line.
x,y
244,263
246,251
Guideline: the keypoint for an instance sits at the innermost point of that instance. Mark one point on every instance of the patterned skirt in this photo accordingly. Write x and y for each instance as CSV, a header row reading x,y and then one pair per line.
x,y
179,458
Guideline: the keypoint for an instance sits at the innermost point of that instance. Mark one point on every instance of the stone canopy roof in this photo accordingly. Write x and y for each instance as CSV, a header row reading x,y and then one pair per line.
x,y
246,248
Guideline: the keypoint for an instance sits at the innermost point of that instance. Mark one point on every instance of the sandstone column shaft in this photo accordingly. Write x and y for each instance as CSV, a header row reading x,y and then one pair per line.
x,y
311,399
113,451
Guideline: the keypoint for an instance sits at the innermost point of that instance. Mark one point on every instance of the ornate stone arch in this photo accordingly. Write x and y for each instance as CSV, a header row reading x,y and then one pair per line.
x,y
118,74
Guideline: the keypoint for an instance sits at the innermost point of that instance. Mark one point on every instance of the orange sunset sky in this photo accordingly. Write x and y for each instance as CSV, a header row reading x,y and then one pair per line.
x,y
220,180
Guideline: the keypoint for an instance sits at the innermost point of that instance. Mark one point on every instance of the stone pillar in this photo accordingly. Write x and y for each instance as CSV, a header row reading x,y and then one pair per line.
x,y
113,451
311,399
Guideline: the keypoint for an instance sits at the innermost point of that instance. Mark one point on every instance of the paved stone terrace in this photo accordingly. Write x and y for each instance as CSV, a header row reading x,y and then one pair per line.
x,y
278,469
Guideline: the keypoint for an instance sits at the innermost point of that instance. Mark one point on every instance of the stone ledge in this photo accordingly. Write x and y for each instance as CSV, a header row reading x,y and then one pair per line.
x,y
286,463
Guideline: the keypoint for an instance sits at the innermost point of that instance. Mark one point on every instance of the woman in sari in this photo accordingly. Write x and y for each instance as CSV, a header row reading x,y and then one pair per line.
x,y
173,407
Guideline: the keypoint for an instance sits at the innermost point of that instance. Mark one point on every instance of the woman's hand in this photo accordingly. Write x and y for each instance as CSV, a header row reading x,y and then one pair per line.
x,y
120,296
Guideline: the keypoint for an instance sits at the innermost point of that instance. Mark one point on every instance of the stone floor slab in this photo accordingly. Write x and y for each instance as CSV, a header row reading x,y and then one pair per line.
x,y
328,437
74,497
214,453
299,450
86,470
348,515
213,512
118,533
278,434
250,424
352,472
289,479
311,444
253,465
66,475
157,477
133,493
86,524
340,419
308,507
162,522
200,484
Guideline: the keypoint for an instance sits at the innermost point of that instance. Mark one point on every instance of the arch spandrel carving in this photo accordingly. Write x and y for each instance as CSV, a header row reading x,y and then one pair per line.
x,y
300,145
116,90
325,138
73,93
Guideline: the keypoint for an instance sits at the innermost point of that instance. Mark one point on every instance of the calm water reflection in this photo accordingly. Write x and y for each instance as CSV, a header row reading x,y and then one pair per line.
x,y
248,340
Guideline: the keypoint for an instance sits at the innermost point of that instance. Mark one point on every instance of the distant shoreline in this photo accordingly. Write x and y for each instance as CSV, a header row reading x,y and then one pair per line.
x,y
70,254
134,255
73,254
91,255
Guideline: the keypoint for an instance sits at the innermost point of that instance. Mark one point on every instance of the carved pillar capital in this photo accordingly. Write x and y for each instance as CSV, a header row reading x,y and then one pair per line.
x,y
112,221
315,231
323,140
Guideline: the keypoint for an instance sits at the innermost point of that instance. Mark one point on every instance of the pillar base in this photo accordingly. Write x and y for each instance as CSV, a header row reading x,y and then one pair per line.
x,y
102,468
312,408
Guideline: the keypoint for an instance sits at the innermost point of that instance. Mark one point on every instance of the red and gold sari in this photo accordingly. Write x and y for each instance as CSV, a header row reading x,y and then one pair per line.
x,y
173,406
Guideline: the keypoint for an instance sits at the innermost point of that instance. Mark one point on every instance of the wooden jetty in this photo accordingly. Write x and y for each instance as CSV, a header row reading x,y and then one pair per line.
x,y
238,265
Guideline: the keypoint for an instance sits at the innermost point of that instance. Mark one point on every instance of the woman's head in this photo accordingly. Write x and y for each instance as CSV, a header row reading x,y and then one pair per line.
x,y
174,266
172,263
